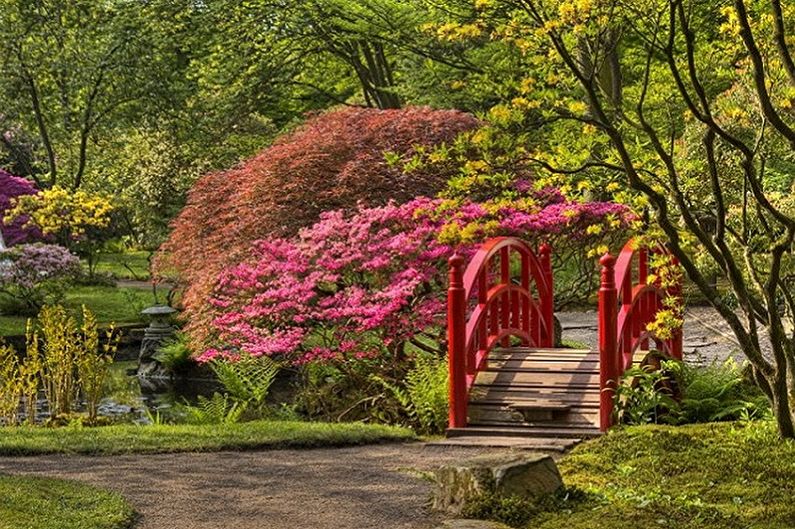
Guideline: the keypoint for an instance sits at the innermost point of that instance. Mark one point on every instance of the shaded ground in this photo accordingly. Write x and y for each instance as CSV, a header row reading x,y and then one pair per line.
x,y
344,488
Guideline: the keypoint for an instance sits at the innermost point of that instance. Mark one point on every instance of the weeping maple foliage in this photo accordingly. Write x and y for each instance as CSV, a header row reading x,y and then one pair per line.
x,y
336,160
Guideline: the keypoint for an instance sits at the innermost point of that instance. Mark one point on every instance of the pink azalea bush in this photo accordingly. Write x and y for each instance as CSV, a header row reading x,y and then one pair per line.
x,y
364,285
33,274
11,187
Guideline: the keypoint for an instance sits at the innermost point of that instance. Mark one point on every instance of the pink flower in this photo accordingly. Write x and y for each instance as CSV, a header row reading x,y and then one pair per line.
x,y
355,286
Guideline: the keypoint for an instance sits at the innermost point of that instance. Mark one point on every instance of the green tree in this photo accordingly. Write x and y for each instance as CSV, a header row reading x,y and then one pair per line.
x,y
68,73
685,108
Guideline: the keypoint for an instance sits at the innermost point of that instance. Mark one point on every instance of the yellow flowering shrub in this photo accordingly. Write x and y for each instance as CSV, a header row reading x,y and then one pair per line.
x,y
60,213
78,220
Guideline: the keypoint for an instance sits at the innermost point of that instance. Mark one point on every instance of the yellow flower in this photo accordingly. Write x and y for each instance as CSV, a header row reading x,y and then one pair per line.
x,y
577,107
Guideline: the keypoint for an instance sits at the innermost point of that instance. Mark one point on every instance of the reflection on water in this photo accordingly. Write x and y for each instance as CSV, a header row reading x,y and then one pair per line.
x,y
138,400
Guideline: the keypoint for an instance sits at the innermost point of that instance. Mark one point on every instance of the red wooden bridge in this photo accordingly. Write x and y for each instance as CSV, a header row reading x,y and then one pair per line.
x,y
507,378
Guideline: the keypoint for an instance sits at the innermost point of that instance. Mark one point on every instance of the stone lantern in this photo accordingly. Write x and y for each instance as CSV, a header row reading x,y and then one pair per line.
x,y
158,331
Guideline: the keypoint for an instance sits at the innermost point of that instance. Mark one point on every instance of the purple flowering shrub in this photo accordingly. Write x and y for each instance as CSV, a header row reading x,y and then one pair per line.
x,y
15,232
367,285
32,275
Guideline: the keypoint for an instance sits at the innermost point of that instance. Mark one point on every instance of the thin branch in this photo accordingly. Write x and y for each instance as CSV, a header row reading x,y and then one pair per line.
x,y
781,40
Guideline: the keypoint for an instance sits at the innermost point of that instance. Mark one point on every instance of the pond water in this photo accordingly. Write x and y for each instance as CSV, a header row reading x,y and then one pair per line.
x,y
130,399
133,399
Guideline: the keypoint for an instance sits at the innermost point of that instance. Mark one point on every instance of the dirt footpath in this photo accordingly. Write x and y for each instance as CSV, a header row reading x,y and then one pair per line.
x,y
374,487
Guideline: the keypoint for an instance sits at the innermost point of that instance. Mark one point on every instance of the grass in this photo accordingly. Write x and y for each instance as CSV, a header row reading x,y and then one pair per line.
x,y
43,503
151,439
109,304
127,265
707,476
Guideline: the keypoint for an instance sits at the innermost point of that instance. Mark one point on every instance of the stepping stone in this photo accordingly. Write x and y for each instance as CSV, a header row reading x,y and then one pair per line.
x,y
516,443
471,524
507,475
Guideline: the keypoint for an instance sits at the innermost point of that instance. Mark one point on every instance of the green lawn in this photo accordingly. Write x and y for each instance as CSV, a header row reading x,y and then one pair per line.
x,y
128,265
42,503
132,439
109,304
708,476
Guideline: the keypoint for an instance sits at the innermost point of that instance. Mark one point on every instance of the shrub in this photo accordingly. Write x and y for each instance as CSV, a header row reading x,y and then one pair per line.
x,y
644,395
176,355
335,160
680,393
93,361
70,360
77,220
10,385
362,285
34,274
15,231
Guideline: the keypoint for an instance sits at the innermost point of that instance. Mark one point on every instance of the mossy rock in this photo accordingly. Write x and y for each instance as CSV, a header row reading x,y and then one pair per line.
x,y
513,475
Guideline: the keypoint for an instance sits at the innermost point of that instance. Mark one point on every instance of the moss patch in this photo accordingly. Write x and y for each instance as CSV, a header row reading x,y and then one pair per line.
x,y
706,476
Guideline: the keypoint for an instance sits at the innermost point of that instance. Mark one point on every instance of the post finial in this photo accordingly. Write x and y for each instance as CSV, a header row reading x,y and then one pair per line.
x,y
456,260
456,272
608,263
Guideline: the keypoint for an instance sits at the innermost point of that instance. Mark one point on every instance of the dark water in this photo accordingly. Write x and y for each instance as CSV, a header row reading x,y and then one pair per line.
x,y
129,398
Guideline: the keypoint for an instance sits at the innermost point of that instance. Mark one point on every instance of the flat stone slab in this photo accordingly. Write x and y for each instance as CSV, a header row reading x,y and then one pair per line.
x,y
536,444
523,475
471,524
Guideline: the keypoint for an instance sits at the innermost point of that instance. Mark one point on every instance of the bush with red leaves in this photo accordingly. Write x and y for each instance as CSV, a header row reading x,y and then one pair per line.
x,y
335,161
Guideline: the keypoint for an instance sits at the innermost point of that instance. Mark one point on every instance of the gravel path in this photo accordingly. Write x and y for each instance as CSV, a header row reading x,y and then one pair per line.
x,y
376,487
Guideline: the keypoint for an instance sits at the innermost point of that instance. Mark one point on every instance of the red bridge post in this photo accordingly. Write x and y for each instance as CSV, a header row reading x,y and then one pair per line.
x,y
547,302
456,343
608,341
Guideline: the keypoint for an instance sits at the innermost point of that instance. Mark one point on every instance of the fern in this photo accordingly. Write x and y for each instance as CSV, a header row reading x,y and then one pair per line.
x,y
176,355
718,392
424,397
219,409
247,381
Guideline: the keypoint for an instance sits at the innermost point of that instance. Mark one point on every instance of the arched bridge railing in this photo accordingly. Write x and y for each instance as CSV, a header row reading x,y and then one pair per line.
x,y
628,302
505,293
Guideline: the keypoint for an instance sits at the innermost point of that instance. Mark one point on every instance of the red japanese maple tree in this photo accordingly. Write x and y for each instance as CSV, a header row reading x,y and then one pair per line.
x,y
336,160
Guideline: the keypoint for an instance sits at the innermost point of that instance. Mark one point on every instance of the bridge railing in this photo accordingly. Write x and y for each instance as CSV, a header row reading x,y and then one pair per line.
x,y
628,303
505,292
